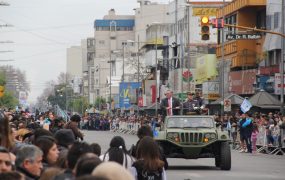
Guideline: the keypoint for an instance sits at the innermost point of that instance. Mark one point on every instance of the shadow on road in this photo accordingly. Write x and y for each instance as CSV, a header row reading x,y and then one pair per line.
x,y
193,168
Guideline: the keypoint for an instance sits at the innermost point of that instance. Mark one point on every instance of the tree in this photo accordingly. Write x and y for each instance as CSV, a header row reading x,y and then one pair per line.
x,y
8,100
79,104
99,102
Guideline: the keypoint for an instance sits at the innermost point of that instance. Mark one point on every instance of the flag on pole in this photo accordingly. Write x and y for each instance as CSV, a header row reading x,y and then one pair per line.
x,y
245,106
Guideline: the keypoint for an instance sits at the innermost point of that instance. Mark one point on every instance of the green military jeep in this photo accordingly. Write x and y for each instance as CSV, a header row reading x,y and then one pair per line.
x,y
193,137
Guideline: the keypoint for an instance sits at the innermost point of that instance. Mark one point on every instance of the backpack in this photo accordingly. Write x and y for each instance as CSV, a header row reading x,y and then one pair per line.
x,y
146,175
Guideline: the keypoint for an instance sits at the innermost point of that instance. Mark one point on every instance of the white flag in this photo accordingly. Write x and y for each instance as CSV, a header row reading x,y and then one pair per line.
x,y
245,106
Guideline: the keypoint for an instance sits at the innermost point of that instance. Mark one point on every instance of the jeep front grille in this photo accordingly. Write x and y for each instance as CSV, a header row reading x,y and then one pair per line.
x,y
191,138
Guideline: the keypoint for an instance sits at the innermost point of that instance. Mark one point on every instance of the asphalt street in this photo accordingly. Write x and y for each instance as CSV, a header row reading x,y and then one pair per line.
x,y
244,166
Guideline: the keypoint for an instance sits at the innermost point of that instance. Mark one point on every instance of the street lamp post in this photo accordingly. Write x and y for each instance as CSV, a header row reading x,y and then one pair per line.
x,y
282,59
156,82
138,54
110,84
123,77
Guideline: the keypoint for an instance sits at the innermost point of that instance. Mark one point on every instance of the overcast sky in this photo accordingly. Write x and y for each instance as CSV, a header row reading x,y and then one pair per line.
x,y
43,29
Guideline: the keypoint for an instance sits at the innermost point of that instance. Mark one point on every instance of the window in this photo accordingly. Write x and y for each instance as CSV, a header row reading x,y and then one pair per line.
x,y
101,42
90,43
231,20
102,28
276,20
90,56
268,22
97,82
97,92
261,19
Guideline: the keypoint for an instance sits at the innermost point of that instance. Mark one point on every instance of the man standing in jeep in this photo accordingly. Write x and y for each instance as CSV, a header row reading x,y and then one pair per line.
x,y
170,105
191,106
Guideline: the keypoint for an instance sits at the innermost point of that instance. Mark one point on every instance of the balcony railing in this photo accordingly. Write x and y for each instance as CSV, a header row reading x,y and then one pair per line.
x,y
239,4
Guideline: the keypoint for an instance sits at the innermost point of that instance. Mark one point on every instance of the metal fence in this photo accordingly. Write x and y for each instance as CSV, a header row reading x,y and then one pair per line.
x,y
268,143
127,127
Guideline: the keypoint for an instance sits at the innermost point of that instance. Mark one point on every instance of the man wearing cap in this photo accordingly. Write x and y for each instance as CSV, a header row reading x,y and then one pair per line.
x,y
191,105
170,105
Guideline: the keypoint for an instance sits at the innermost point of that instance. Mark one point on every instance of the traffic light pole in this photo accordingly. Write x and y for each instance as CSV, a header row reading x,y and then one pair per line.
x,y
282,59
223,65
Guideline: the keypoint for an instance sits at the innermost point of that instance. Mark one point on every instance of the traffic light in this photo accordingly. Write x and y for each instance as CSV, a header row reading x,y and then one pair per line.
x,y
205,28
2,88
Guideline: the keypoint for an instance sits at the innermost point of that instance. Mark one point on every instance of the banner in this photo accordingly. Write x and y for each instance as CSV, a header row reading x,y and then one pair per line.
x,y
245,106
227,105
277,83
128,94
177,76
206,68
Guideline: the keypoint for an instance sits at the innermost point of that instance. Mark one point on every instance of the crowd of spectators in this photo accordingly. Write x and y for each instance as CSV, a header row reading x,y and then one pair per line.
x,y
46,147
249,126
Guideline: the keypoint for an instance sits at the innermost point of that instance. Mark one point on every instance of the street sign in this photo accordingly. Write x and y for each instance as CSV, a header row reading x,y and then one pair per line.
x,y
227,105
243,36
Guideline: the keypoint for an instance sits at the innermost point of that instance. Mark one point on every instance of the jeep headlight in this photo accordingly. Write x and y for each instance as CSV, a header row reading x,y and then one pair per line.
x,y
173,136
209,136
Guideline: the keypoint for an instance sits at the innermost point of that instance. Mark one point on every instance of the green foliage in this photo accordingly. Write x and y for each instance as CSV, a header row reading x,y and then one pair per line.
x,y
8,100
99,102
2,78
79,104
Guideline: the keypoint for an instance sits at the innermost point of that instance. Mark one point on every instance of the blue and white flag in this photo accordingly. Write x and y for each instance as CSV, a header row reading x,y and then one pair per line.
x,y
245,106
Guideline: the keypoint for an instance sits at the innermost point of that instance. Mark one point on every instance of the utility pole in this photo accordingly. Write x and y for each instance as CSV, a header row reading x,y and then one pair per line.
x,y
110,76
156,80
282,58
138,54
188,43
123,78
223,64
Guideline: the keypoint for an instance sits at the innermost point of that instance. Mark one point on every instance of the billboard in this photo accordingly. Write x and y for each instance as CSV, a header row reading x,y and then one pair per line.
x,y
277,83
128,94
23,98
185,76
242,82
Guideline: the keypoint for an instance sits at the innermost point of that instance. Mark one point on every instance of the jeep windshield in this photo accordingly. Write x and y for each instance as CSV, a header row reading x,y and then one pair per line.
x,y
190,122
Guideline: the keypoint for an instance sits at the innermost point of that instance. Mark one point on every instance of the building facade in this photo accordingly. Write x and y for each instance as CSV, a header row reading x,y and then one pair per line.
x,y
241,56
112,51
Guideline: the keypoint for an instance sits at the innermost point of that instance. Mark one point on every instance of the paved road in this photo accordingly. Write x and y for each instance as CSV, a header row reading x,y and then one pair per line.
x,y
244,166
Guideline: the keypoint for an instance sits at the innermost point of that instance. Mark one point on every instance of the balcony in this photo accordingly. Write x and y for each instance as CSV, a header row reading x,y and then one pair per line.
x,y
243,61
229,48
239,4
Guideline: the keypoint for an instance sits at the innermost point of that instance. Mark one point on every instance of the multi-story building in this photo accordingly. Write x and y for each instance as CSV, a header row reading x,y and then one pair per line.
x,y
241,56
112,34
269,78
74,61
88,69
186,44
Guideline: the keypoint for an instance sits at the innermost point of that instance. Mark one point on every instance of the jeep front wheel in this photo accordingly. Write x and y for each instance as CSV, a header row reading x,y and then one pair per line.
x,y
225,156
